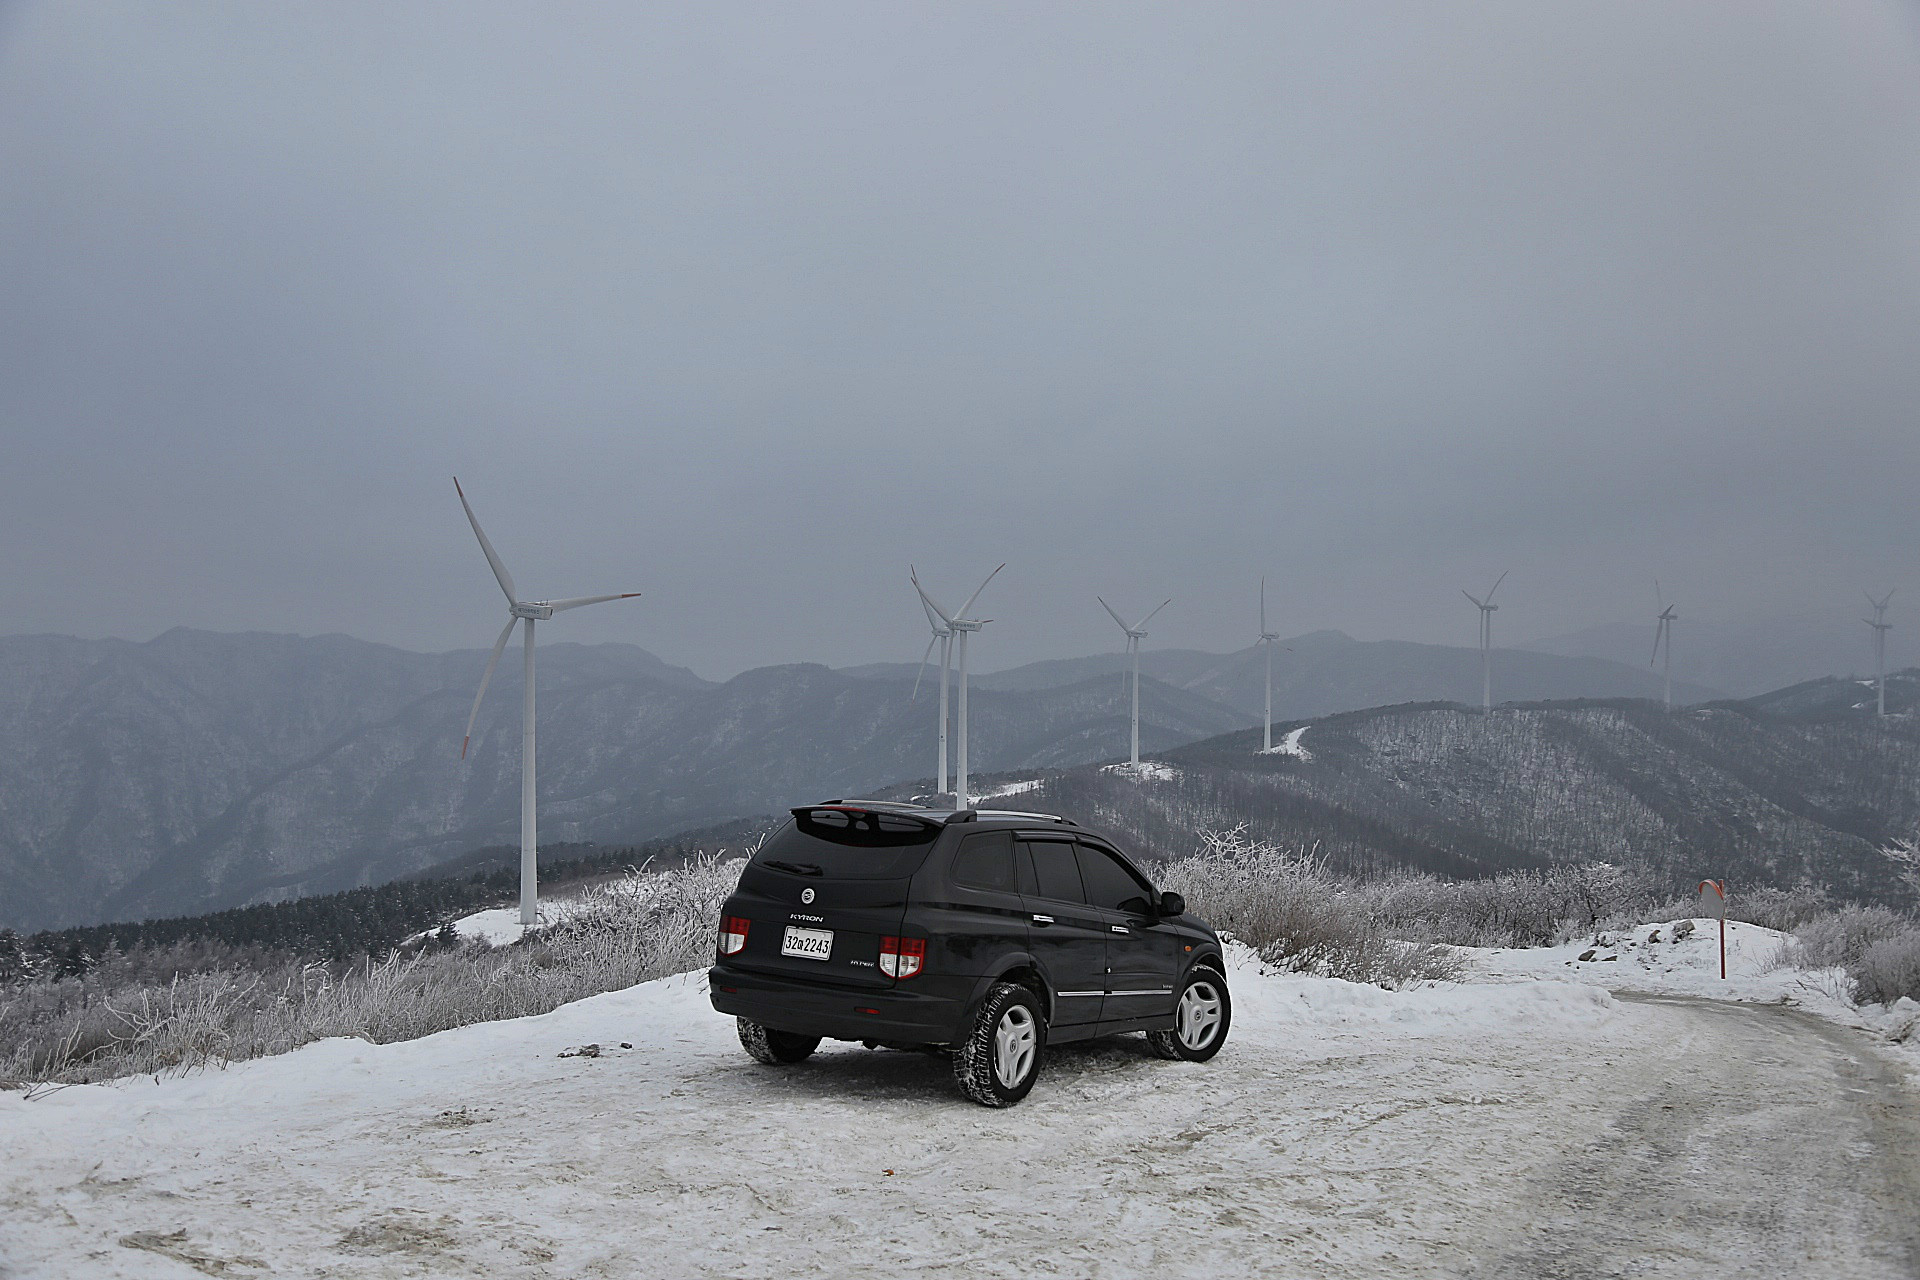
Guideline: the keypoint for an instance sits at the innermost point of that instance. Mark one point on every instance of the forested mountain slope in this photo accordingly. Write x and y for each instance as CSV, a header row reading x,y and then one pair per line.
x,y
1730,789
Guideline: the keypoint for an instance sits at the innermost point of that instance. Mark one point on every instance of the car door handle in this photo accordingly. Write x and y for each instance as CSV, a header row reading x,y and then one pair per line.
x,y
1119,928
1043,919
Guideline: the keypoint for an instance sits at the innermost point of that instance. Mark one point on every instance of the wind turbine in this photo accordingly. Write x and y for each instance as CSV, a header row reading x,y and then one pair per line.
x,y
529,612
1267,640
1135,634
1486,608
1663,633
942,636
960,626
1880,627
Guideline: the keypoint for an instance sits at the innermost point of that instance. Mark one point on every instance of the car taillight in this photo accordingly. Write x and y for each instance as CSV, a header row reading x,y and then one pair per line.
x,y
733,935
902,957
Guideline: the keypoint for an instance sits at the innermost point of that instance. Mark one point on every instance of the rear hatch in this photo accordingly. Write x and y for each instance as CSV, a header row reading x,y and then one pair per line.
x,y
823,891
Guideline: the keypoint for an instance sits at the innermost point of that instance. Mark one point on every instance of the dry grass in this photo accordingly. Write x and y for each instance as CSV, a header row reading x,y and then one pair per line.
x,y
639,927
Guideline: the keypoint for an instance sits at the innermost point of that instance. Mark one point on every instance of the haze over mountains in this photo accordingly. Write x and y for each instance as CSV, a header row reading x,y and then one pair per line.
x,y
1748,657
203,769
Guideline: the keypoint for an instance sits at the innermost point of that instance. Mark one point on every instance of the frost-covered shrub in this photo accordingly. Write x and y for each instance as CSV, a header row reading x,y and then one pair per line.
x,y
642,926
1840,938
1782,909
1888,969
1287,906
1518,908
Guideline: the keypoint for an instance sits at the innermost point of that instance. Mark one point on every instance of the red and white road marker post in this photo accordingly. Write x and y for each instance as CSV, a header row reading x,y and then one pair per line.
x,y
1713,902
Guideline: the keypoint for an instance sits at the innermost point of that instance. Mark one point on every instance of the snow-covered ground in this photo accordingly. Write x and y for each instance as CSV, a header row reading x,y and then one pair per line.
x,y
1145,771
1289,745
1650,958
1002,790
1471,1129
500,926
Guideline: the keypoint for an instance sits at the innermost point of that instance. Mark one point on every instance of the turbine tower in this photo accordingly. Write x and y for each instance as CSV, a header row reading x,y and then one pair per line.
x,y
942,636
1880,627
1267,640
945,640
960,626
529,612
1486,608
1135,634
1663,634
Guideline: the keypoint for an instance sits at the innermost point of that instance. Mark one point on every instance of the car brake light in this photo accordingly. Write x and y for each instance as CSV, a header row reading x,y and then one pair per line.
x,y
733,935
902,957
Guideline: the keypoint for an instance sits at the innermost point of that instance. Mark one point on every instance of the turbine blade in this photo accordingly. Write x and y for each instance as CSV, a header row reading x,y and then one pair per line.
x,y
577,601
976,594
933,619
913,576
925,658
493,660
1263,605
1116,617
1659,629
493,558
1469,595
1496,584
1149,618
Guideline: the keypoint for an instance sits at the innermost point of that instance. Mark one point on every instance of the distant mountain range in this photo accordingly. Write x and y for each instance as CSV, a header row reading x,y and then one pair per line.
x,y
1745,658
1327,671
1802,785
202,770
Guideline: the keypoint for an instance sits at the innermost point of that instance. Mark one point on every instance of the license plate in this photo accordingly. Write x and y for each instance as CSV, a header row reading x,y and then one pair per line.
x,y
808,944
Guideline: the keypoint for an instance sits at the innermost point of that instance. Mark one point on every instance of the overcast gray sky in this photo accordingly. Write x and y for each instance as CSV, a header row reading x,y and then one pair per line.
x,y
748,307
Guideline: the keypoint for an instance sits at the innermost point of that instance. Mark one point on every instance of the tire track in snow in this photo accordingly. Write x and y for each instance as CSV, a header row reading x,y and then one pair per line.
x,y
1772,1143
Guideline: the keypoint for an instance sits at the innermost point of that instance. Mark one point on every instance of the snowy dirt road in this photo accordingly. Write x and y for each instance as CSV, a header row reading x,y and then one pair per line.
x,y
1533,1129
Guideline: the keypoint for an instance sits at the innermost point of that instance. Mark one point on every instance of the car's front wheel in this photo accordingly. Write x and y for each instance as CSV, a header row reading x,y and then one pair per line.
x,y
999,1060
764,1044
1201,1017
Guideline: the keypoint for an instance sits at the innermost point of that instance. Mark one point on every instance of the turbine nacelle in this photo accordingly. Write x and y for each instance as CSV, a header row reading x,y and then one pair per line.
x,y
535,612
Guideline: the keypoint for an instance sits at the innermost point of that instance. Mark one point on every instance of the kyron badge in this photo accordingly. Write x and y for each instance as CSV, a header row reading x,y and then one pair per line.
x,y
806,895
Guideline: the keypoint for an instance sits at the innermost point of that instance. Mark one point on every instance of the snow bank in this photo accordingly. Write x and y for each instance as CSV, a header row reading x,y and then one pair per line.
x,y
1682,958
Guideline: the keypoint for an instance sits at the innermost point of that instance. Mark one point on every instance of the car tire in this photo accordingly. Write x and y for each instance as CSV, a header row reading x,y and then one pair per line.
x,y
764,1044
999,1060
1201,1016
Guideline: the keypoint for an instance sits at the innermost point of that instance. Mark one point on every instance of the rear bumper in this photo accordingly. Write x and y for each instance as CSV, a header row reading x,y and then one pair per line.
x,y
836,1013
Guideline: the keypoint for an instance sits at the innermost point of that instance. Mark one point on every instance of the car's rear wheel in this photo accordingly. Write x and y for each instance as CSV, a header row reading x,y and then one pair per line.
x,y
999,1060
764,1044
1201,1017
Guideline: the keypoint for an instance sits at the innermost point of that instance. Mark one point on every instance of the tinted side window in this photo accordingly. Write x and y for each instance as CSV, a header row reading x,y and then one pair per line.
x,y
1054,872
1108,883
985,861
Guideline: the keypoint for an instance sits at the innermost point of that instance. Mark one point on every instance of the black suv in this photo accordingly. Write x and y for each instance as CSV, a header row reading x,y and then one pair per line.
x,y
986,933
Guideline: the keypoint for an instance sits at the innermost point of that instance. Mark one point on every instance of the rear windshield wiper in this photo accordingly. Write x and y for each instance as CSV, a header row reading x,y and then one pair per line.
x,y
798,868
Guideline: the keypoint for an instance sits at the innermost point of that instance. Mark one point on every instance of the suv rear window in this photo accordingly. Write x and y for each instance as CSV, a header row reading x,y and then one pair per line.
x,y
985,861
848,845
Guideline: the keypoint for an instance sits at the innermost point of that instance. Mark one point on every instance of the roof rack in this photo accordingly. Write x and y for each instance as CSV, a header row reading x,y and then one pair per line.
x,y
1023,813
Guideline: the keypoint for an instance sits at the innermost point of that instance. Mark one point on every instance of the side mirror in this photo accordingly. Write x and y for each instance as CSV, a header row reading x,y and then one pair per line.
x,y
1172,904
